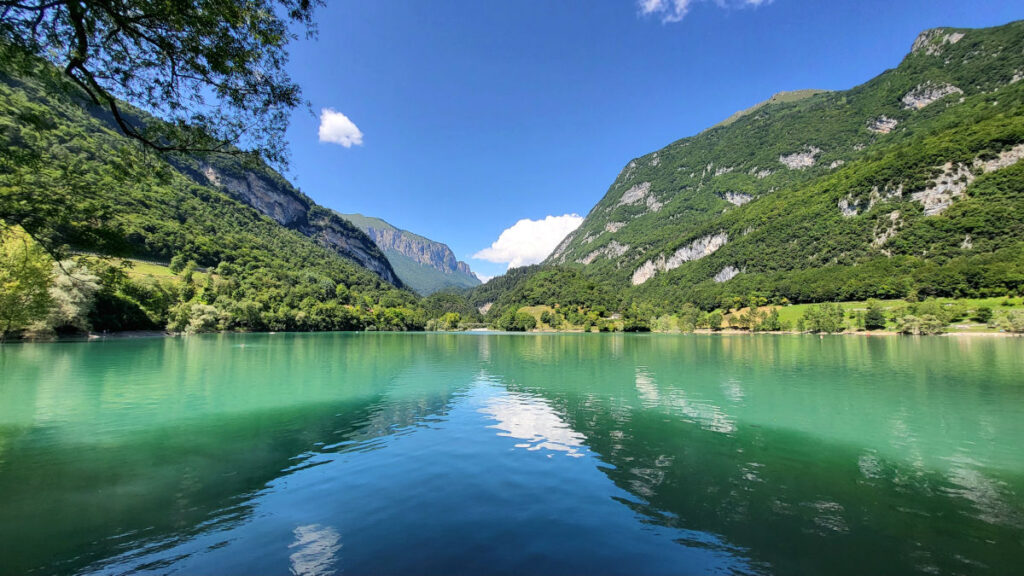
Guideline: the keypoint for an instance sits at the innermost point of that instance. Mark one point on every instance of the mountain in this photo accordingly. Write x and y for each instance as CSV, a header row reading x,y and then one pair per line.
x,y
271,194
909,183
422,264
793,96
265,256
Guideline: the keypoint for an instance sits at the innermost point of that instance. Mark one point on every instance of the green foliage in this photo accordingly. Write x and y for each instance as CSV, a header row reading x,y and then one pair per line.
x,y
924,325
513,321
635,324
73,292
769,322
76,186
450,321
689,318
441,303
874,318
714,320
983,314
1011,321
825,317
556,287
25,278
215,71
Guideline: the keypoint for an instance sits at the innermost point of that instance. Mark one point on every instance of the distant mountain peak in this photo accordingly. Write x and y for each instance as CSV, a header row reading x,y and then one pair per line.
x,y
423,264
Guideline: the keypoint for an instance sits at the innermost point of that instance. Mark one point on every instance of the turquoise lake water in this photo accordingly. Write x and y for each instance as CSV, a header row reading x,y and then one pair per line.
x,y
512,454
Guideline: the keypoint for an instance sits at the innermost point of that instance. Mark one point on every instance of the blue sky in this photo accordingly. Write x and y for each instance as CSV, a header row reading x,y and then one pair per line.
x,y
475,115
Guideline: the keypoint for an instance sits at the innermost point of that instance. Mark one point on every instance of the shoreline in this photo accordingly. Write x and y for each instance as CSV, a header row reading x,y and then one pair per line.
x,y
143,334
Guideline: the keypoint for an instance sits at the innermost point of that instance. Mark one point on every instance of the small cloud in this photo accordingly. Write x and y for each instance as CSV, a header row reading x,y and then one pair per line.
x,y
530,241
483,278
676,10
336,128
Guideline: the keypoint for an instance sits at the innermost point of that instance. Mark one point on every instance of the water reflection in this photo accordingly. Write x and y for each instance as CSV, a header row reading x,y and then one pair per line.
x,y
316,550
323,454
531,419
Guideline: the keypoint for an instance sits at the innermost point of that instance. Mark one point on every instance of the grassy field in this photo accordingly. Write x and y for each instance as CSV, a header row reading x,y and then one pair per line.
x,y
152,271
789,315
793,313
537,311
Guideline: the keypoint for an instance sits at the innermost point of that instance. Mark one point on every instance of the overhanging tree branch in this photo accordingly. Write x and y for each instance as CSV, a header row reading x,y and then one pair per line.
x,y
208,75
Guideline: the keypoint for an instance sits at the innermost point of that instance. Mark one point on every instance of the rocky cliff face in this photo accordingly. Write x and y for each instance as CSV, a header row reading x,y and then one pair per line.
x,y
422,250
427,265
274,196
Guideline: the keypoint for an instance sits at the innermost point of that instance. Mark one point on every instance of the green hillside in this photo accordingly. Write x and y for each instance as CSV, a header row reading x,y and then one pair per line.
x,y
781,97
906,184
77,186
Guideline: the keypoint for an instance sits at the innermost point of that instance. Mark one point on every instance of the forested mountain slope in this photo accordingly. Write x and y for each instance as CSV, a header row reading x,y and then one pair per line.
x,y
425,265
910,181
276,259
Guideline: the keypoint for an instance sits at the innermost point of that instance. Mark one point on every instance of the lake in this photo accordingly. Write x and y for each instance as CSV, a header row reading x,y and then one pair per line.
x,y
513,454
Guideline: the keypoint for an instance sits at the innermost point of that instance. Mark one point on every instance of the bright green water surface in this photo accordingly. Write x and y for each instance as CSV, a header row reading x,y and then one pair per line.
x,y
506,454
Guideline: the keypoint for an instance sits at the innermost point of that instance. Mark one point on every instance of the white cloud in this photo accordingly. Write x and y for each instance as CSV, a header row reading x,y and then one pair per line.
x,y
530,241
336,128
482,277
676,10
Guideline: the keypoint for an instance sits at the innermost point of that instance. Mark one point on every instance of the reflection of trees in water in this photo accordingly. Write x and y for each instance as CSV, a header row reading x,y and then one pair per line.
x,y
197,444
799,502
665,413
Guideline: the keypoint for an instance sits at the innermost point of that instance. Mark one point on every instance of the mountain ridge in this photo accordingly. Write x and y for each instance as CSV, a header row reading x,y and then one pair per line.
x,y
890,187
416,257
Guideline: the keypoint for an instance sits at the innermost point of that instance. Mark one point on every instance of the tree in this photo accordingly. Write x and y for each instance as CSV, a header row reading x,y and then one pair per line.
x,y
825,317
73,292
874,318
924,325
450,321
513,321
1012,321
25,278
214,70
983,314
635,320
770,323
714,320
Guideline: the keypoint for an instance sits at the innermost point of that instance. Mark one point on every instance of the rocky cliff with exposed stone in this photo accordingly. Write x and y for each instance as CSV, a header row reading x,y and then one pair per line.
x,y
425,265
271,194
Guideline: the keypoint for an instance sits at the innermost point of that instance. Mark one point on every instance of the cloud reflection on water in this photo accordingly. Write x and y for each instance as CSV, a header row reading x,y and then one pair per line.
x,y
526,417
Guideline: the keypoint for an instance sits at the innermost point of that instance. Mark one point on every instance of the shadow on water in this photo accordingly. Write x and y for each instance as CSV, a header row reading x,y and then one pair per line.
x,y
504,453
114,460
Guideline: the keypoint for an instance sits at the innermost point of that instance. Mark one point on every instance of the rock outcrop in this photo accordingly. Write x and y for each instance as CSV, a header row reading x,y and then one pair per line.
x,y
726,274
272,195
640,193
612,250
800,160
738,198
882,125
695,250
926,94
931,42
423,264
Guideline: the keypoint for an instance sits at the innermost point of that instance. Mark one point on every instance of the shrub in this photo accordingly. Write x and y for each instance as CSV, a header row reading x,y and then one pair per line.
x,y
874,318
